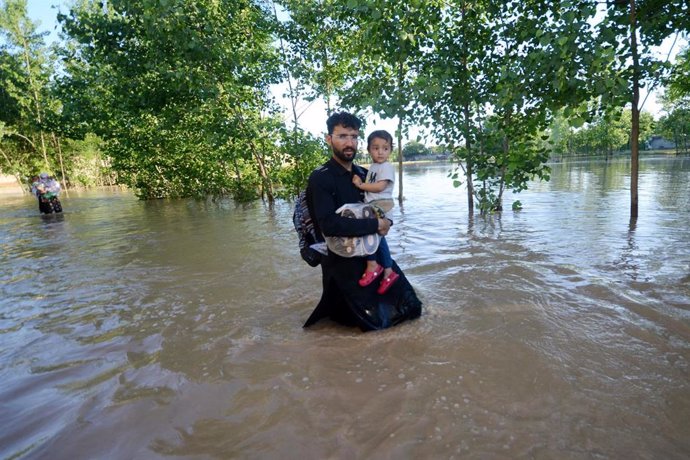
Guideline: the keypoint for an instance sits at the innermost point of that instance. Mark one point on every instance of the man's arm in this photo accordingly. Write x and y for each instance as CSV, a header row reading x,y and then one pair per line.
x,y
324,203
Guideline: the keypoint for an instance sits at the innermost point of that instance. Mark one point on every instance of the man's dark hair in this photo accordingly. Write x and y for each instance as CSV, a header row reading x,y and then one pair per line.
x,y
380,134
343,119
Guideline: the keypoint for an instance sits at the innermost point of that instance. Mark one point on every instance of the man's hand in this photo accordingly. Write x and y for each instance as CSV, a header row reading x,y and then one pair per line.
x,y
384,226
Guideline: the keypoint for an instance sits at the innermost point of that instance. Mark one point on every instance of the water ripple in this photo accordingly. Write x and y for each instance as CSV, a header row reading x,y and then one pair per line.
x,y
173,327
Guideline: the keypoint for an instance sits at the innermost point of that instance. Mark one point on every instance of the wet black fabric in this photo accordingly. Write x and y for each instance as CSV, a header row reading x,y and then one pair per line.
x,y
343,300
49,205
330,187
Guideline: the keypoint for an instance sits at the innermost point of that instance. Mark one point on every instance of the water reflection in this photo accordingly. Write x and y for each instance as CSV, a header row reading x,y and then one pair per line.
x,y
628,258
172,328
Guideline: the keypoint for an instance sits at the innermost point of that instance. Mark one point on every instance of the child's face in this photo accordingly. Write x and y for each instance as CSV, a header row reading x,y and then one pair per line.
x,y
379,149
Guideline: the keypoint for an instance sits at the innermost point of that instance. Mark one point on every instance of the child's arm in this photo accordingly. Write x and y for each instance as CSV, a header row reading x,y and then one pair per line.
x,y
376,187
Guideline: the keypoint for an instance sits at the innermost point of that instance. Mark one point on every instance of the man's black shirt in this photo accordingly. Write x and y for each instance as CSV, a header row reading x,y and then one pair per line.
x,y
330,186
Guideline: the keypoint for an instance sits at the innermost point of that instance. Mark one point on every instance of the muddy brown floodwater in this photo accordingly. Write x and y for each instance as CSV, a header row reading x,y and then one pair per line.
x,y
172,329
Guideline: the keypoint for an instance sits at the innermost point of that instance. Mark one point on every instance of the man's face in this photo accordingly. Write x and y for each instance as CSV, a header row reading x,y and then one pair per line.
x,y
343,142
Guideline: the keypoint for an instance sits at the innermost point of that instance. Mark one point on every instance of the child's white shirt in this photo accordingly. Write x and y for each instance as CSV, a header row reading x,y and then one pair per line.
x,y
378,172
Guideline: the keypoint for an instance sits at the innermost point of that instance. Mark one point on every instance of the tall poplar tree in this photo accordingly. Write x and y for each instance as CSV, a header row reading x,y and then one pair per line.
x,y
389,39
496,74
628,34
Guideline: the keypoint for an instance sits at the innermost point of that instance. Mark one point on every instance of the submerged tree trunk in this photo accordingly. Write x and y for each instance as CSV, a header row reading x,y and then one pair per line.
x,y
266,184
58,148
468,141
506,149
635,131
469,171
400,126
400,162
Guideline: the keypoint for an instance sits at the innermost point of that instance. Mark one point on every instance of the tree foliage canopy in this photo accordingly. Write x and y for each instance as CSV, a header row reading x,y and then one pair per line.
x,y
178,89
180,92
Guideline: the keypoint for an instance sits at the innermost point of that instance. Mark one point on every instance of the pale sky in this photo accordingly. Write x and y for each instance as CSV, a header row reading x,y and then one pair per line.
x,y
314,114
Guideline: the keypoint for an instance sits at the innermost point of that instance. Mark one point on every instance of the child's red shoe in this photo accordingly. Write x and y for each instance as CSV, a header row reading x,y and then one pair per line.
x,y
387,282
369,277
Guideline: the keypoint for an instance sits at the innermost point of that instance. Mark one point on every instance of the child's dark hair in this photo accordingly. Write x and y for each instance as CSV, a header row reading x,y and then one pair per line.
x,y
343,119
380,134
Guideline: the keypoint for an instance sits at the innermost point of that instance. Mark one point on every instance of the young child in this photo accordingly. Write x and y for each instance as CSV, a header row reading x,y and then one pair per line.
x,y
378,188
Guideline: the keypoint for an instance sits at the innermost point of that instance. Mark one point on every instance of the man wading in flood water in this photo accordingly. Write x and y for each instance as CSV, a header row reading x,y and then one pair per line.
x,y
330,187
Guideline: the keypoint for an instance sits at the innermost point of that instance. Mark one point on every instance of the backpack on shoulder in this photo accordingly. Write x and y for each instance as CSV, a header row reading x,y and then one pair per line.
x,y
304,226
312,248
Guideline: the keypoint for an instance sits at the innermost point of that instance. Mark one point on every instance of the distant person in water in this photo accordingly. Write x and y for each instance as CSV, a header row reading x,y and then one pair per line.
x,y
378,191
47,190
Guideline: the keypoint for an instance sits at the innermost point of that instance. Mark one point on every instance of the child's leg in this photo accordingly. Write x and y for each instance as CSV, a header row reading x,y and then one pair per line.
x,y
389,276
372,272
372,262
384,256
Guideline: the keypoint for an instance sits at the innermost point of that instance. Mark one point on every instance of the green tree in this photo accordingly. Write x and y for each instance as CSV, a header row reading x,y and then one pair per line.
x,y
628,33
179,91
455,90
387,40
679,80
676,102
610,133
502,69
607,133
314,50
647,126
560,134
452,63
676,127
309,69
441,150
25,70
415,149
